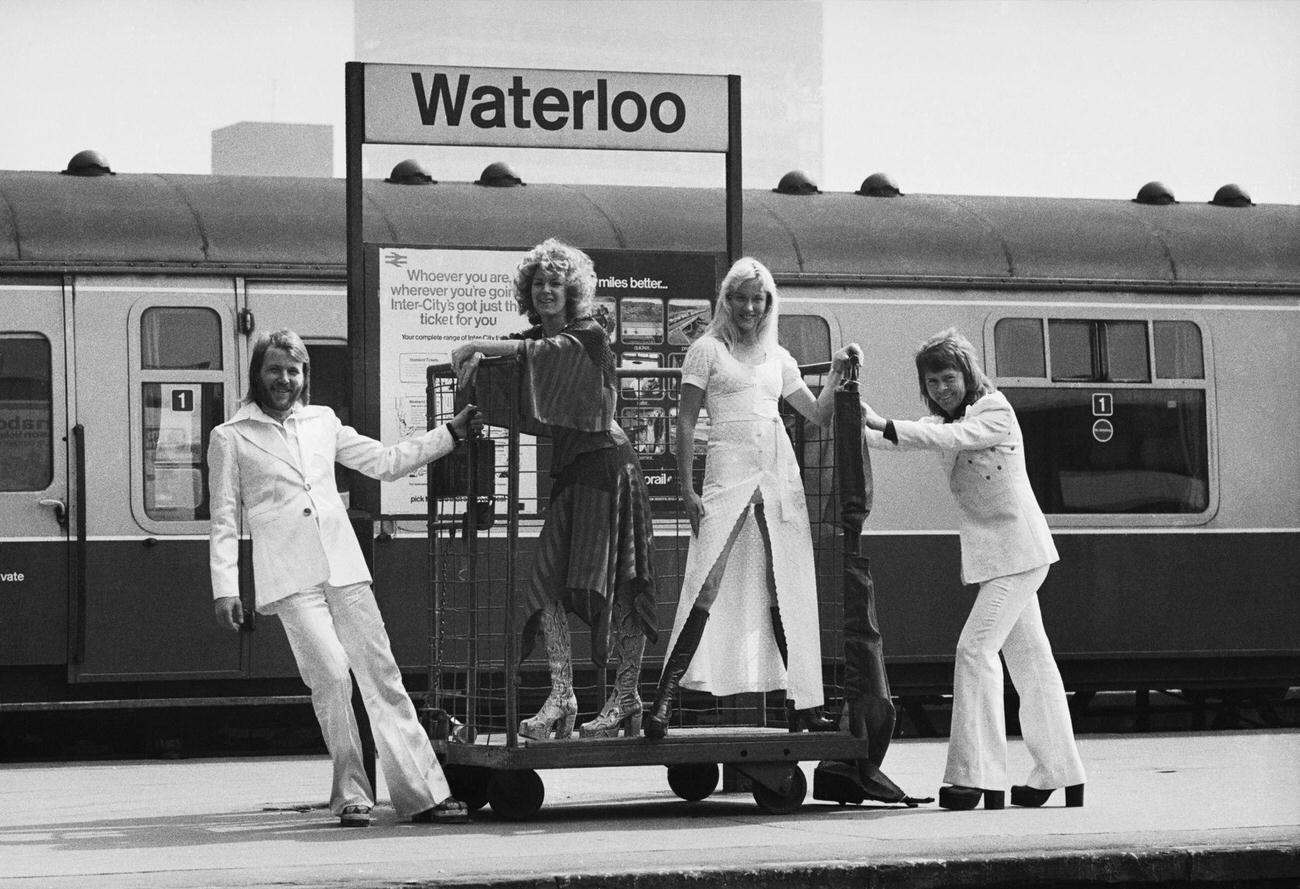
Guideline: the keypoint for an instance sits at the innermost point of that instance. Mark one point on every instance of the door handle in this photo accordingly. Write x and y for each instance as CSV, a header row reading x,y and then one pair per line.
x,y
60,510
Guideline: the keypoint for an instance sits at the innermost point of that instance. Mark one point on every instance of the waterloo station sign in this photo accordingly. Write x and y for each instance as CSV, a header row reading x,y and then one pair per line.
x,y
538,108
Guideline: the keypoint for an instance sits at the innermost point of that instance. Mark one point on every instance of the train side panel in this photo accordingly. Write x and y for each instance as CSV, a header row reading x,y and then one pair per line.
x,y
1186,596
35,524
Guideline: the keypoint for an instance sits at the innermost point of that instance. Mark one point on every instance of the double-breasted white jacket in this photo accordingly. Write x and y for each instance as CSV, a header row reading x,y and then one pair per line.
x,y
1002,528
289,502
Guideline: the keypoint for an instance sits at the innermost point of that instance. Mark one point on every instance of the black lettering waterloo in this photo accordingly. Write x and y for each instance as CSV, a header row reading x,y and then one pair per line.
x,y
551,108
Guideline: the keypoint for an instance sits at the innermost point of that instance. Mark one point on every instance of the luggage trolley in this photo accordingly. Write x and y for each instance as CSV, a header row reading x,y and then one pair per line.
x,y
486,504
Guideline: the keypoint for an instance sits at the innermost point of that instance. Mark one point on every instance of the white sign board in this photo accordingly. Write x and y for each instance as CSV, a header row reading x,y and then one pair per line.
x,y
430,301
535,108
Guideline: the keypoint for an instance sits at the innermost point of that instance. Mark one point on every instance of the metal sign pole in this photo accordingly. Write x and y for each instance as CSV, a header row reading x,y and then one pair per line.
x,y
735,210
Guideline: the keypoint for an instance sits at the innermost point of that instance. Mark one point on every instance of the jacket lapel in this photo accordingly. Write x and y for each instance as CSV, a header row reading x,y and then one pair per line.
x,y
259,430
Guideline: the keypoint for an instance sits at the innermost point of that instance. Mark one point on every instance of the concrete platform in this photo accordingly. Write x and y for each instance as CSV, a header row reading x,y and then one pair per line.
x,y
1176,810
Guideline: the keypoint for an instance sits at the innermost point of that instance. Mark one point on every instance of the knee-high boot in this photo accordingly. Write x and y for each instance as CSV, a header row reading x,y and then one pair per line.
x,y
797,720
656,724
623,708
561,707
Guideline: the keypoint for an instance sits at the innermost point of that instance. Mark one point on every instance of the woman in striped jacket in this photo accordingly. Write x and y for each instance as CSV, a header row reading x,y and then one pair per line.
x,y
596,549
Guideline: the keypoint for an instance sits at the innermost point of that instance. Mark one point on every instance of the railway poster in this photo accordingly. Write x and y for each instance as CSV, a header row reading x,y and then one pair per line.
x,y
652,304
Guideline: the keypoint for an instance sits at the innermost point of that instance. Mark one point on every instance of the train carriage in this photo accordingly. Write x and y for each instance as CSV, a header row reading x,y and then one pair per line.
x,y
1144,345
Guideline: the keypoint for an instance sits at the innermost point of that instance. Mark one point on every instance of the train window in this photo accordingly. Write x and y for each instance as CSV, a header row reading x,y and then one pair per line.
x,y
1019,347
329,386
180,338
1149,455
1100,438
329,380
178,419
26,413
1098,351
182,397
1179,355
806,337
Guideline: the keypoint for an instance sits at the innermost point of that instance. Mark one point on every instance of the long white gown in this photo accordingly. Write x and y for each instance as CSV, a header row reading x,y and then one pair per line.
x,y
749,450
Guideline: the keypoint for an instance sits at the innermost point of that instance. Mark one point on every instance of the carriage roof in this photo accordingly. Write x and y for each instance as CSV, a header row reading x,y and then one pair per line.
x,y
279,225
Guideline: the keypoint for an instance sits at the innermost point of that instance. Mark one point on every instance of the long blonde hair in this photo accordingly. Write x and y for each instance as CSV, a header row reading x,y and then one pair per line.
x,y
292,345
723,326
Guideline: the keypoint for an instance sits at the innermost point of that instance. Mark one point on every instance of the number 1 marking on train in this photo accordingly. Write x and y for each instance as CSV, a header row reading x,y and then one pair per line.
x,y
1103,404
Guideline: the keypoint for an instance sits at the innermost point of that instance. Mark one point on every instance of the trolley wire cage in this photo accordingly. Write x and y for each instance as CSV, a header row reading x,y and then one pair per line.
x,y
486,504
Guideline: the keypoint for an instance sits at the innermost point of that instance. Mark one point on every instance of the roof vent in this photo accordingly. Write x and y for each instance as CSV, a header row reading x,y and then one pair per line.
x,y
1232,195
1155,193
410,172
499,175
797,182
89,163
879,185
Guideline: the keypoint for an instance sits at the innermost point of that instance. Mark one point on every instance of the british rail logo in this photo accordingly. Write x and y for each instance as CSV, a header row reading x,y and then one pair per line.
x,y
548,107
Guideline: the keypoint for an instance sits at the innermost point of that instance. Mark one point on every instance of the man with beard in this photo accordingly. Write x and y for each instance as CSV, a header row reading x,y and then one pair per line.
x,y
273,461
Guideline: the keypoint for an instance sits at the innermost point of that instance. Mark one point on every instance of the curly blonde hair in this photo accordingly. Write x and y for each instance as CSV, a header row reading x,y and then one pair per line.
x,y
570,265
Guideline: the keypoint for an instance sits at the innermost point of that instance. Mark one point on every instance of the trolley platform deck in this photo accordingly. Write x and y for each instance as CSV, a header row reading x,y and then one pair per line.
x,y
738,745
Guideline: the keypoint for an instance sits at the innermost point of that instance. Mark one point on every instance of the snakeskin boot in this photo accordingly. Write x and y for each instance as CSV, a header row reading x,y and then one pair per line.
x,y
623,708
560,710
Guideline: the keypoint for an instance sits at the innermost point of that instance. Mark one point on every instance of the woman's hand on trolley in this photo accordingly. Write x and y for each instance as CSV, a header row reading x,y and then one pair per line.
x,y
464,361
843,360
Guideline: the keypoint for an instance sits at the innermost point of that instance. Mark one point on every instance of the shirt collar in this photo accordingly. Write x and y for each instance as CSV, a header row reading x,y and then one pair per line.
x,y
254,411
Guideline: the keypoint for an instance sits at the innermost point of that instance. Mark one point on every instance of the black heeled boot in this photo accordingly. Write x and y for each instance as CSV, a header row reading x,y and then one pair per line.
x,y
811,719
1032,797
955,796
656,724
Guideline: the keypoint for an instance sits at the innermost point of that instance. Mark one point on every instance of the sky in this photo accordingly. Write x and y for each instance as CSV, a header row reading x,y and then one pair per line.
x,y
1062,98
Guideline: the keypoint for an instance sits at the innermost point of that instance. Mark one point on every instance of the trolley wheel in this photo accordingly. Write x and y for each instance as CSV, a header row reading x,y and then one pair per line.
x,y
469,784
515,795
693,781
776,803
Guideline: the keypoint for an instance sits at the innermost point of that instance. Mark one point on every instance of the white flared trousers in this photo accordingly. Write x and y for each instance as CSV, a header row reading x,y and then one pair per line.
x,y
1006,618
334,629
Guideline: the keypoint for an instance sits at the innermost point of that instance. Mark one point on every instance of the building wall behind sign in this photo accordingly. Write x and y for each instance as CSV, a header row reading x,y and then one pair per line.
x,y
776,48
256,148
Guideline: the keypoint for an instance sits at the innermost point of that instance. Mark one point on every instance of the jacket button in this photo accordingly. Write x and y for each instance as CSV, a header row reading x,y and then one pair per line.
x,y
307,511
308,486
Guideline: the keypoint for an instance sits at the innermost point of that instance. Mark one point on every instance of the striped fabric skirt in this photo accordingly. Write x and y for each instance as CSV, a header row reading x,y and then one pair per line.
x,y
595,554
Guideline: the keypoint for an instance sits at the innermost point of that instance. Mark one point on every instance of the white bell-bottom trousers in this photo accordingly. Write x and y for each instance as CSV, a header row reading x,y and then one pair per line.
x,y
332,630
1006,618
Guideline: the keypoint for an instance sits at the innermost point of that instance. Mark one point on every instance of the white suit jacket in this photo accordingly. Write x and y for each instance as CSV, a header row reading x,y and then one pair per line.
x,y
291,506
1002,528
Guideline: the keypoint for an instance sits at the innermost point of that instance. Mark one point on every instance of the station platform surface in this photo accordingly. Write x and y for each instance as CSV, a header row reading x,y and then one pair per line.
x,y
1161,810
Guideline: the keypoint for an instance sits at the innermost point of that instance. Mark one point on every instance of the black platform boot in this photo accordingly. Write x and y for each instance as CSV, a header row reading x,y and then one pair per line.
x,y
656,724
798,720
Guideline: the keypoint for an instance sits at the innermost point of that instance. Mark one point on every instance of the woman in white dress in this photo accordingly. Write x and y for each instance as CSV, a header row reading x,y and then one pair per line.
x,y
749,574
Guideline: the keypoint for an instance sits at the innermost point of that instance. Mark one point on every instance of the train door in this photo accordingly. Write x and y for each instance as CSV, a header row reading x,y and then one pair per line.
x,y
34,497
157,371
